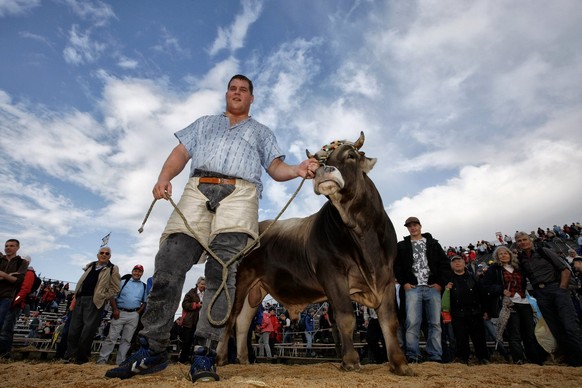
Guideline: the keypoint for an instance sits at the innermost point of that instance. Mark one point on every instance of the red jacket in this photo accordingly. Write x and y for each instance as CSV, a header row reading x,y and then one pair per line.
x,y
25,287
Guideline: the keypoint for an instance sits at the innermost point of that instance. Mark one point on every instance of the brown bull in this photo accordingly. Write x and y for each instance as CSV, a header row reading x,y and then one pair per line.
x,y
343,252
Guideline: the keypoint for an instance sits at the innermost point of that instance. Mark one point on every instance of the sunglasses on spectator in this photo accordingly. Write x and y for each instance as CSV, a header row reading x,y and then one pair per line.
x,y
104,253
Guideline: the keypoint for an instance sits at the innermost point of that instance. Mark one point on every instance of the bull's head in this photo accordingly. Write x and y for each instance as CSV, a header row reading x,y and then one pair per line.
x,y
339,161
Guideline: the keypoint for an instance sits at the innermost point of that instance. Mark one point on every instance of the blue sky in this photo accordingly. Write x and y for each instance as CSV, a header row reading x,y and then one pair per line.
x,y
473,109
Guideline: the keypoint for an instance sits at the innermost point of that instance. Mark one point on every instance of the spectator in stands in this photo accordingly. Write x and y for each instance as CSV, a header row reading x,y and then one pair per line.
x,y
571,256
504,278
423,269
99,283
126,309
12,271
7,329
276,329
286,326
309,332
577,270
467,313
374,336
266,329
325,326
48,300
549,276
191,306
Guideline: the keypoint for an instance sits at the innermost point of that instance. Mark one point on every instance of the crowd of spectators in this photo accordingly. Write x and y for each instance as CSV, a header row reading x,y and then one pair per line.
x,y
315,326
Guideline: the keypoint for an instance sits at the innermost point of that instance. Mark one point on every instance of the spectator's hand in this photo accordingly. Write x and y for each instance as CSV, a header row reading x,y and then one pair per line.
x,y
115,314
408,286
449,285
507,293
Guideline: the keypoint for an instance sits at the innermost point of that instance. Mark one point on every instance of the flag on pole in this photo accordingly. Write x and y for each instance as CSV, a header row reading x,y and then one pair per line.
x,y
105,240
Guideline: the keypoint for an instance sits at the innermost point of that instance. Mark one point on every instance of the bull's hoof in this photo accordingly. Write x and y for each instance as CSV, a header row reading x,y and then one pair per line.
x,y
350,367
402,369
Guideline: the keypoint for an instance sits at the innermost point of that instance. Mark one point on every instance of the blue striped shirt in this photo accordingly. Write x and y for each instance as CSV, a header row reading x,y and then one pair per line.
x,y
237,151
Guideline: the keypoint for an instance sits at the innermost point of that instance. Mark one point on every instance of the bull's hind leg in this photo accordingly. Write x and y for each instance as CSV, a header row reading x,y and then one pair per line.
x,y
243,322
389,323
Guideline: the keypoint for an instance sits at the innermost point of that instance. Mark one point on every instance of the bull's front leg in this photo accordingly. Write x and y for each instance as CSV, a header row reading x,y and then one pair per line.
x,y
346,324
389,324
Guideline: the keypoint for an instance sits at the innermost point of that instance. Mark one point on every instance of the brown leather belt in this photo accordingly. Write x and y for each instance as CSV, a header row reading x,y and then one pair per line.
x,y
217,181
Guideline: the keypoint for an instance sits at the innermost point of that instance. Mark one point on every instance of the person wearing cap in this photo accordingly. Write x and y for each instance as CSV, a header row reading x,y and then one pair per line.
x,y
126,309
423,269
467,312
98,284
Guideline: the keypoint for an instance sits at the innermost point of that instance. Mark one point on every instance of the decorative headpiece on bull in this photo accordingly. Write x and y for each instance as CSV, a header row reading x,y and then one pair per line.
x,y
328,180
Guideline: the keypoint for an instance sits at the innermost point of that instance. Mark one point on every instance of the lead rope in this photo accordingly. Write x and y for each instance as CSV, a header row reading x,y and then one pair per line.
x,y
225,266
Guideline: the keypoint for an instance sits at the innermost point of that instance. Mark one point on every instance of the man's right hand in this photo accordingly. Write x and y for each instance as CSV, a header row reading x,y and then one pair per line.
x,y
408,286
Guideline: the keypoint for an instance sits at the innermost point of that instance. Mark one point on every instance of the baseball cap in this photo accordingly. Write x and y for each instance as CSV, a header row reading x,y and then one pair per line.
x,y
456,257
138,266
411,220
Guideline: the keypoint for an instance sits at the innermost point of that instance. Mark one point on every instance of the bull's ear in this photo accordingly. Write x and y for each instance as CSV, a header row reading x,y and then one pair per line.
x,y
368,163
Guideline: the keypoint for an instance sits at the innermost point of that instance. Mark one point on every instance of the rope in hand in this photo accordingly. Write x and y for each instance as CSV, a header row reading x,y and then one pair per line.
x,y
224,265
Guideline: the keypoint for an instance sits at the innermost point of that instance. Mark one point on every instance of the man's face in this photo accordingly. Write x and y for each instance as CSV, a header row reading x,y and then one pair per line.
x,y
414,229
458,265
524,243
136,273
202,285
104,255
11,248
238,97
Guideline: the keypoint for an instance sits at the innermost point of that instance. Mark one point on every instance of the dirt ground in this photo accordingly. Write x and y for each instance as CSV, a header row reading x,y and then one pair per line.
x,y
429,374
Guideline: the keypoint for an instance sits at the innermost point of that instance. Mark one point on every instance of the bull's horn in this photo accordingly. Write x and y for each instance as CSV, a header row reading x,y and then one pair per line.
x,y
360,142
309,154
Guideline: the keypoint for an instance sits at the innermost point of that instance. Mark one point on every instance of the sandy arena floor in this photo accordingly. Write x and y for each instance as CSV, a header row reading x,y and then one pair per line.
x,y
39,374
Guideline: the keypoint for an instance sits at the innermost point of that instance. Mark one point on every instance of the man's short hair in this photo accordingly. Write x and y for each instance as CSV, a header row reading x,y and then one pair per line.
x,y
13,240
243,78
577,258
520,234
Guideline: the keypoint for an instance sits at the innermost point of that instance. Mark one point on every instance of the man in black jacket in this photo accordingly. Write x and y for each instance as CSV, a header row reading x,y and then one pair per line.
x,y
423,270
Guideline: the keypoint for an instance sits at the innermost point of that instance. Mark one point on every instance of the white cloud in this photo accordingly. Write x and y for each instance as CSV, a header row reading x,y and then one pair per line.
x,y
81,48
232,38
17,7
96,12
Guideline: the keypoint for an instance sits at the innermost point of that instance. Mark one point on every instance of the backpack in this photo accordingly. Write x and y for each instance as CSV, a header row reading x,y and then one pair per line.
x,y
36,284
573,282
